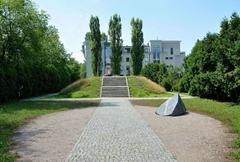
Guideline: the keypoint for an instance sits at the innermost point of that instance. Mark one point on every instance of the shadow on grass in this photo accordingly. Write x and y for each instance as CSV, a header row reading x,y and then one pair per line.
x,y
46,105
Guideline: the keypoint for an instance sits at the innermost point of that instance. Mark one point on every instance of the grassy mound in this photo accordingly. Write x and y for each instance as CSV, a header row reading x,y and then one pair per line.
x,y
85,88
140,86
228,113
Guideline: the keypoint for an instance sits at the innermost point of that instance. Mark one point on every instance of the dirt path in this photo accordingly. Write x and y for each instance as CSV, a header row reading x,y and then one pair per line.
x,y
51,137
192,137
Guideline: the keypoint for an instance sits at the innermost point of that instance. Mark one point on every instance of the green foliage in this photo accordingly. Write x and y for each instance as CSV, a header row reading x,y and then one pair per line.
x,y
75,69
104,37
95,45
33,61
184,83
212,68
137,51
15,114
168,77
115,34
152,70
88,36
171,78
166,83
206,85
83,73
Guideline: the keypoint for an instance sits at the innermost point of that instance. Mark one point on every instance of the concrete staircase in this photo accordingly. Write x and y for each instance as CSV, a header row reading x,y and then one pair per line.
x,y
114,86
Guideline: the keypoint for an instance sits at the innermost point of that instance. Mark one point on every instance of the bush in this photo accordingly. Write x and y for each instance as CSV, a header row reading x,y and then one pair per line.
x,y
232,85
184,83
166,83
151,71
159,73
216,85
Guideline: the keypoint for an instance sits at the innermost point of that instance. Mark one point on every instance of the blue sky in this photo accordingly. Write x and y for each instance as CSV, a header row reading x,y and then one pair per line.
x,y
185,20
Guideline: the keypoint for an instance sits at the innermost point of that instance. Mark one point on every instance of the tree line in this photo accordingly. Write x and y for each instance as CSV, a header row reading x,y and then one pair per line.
x,y
95,37
211,70
33,61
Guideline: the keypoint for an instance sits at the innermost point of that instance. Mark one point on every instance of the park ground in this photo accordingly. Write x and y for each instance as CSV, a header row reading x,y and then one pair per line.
x,y
15,114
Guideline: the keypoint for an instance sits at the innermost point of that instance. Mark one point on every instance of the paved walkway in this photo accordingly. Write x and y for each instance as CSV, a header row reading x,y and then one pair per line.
x,y
108,98
117,132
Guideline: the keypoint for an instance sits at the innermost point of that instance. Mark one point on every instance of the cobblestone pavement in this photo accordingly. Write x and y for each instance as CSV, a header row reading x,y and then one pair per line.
x,y
117,132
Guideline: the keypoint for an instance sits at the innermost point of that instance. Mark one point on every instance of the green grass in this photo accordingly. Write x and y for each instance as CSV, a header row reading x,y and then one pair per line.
x,y
228,113
142,87
85,88
14,114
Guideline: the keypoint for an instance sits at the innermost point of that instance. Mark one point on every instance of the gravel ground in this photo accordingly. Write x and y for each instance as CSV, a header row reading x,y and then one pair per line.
x,y
51,137
192,137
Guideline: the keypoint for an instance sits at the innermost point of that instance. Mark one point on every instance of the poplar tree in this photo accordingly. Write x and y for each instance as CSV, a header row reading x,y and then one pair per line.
x,y
137,51
95,45
115,34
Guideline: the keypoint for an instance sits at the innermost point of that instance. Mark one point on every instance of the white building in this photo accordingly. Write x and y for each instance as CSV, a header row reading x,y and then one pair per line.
x,y
165,52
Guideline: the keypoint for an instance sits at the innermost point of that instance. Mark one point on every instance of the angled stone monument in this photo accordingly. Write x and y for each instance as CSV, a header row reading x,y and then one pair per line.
x,y
174,106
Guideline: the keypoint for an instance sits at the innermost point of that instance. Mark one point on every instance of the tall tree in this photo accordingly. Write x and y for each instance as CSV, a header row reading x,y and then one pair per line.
x,y
104,37
115,34
137,51
212,70
33,61
95,45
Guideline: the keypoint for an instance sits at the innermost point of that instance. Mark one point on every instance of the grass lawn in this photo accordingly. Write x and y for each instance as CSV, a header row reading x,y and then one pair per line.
x,y
85,88
228,113
140,86
14,114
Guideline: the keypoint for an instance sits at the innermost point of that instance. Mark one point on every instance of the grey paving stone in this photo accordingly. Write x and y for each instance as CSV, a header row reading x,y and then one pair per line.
x,y
117,132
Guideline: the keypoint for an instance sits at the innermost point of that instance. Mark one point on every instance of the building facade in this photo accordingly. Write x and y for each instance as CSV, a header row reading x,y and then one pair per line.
x,y
165,52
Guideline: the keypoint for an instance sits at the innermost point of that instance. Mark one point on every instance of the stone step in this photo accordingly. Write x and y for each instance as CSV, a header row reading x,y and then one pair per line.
x,y
114,81
114,91
114,87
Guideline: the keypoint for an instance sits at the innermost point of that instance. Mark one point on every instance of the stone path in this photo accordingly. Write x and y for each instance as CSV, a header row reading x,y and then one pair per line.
x,y
117,132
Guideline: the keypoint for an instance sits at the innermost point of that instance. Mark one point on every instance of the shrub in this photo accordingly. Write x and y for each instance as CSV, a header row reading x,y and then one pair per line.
x,y
166,83
151,71
184,83
159,73
216,85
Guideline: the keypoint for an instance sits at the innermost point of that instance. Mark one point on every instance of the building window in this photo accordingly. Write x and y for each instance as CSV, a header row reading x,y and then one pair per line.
x,y
146,59
171,51
145,50
166,58
156,53
170,58
127,59
128,70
